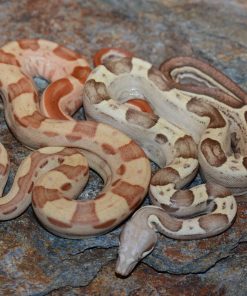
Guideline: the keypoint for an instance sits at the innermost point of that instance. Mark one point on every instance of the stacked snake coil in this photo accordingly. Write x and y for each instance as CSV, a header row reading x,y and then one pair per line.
x,y
185,115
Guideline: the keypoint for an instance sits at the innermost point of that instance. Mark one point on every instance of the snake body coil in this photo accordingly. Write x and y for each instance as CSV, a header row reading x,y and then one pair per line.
x,y
120,162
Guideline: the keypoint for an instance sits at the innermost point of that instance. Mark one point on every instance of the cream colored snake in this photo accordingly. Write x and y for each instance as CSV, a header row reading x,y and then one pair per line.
x,y
120,162
175,121
205,111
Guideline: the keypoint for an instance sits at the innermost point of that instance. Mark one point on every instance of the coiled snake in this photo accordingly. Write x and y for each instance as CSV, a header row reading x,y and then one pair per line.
x,y
169,127
121,163
181,118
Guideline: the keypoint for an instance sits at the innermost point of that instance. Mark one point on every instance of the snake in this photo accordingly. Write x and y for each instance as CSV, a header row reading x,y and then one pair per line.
x,y
109,53
121,163
179,126
51,165
201,77
182,119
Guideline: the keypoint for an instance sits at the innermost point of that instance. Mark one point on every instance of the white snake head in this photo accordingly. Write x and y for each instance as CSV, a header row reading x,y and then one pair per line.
x,y
137,240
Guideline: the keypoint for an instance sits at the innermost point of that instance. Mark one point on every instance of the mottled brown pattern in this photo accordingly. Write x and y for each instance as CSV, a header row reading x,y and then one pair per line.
x,y
65,152
24,182
145,120
186,147
29,44
213,152
199,86
85,129
53,94
245,115
234,142
33,121
85,213
106,224
153,31
22,86
245,162
95,92
42,195
165,176
71,172
213,221
158,78
131,151
168,222
8,58
108,149
216,190
119,66
121,170
131,193
58,223
161,139
81,73
204,109
217,94
183,198
66,53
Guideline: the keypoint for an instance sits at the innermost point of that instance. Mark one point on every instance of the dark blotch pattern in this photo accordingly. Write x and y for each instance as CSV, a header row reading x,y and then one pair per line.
x,y
213,152
158,78
144,120
95,92
119,66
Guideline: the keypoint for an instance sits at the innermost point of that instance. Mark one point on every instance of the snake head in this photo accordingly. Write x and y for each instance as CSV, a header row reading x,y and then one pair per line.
x,y
137,240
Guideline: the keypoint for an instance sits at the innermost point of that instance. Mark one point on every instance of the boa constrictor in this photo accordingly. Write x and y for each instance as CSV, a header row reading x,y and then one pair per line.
x,y
120,162
182,117
63,171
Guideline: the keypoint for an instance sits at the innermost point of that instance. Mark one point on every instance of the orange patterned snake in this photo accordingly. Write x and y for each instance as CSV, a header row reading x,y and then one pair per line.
x,y
120,162
169,128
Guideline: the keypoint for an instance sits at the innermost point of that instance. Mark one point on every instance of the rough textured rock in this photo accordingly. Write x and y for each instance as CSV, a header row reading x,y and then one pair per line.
x,y
217,281
198,255
35,262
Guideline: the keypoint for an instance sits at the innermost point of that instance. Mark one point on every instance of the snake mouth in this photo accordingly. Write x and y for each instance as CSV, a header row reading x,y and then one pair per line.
x,y
124,266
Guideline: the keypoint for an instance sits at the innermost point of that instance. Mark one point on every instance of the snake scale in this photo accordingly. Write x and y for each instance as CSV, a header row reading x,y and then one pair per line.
x,y
198,116
185,114
120,162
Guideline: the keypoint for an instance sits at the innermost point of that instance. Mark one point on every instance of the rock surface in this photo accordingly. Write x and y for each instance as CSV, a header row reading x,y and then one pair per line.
x,y
35,262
